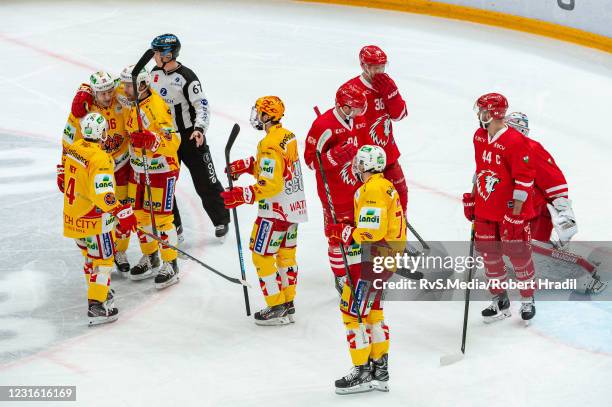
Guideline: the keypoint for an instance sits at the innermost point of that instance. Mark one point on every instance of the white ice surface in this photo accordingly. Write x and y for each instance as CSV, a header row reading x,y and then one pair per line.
x,y
192,344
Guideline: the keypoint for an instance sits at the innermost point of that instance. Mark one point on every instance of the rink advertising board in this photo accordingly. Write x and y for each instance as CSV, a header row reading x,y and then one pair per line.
x,y
584,22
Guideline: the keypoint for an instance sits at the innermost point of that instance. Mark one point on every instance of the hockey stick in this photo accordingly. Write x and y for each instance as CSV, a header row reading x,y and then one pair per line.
x,y
322,140
201,263
163,242
412,230
146,57
449,359
562,255
228,147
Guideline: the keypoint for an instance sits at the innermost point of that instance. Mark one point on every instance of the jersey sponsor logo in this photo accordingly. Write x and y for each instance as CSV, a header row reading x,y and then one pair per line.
x,y
109,198
298,206
69,133
380,131
104,183
267,167
286,140
163,91
170,182
485,183
107,245
360,294
263,236
369,218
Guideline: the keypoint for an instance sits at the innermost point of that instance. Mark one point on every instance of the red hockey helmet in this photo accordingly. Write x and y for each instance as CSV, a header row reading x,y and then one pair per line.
x,y
495,103
351,96
372,55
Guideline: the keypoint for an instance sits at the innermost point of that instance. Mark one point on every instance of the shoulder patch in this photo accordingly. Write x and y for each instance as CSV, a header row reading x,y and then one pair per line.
x,y
69,133
266,167
369,218
104,183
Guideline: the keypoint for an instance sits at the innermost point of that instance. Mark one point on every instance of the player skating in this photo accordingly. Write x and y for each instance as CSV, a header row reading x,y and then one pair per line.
x,y
100,96
553,208
378,219
337,153
279,191
500,204
90,209
152,133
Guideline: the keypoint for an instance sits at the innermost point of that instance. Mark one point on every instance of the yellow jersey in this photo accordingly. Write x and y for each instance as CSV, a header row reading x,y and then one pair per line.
x,y
89,190
117,140
378,212
280,186
155,117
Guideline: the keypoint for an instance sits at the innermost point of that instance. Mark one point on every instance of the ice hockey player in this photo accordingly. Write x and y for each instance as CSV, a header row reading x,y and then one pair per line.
x,y
182,91
552,206
99,96
337,153
152,134
379,219
500,203
90,210
385,105
279,190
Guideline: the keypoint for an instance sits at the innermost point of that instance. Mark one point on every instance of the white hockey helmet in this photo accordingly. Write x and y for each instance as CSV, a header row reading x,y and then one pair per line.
x,y
101,81
94,127
369,158
519,122
143,76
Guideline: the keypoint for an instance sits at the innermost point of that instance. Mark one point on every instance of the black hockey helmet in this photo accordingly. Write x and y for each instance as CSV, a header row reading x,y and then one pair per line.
x,y
166,43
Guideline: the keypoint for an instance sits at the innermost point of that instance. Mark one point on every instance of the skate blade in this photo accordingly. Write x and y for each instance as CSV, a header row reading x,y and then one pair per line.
x,y
143,276
381,386
273,322
360,388
172,281
291,318
502,316
102,320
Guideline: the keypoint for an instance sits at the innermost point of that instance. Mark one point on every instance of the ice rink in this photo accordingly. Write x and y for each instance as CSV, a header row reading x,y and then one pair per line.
x,y
192,344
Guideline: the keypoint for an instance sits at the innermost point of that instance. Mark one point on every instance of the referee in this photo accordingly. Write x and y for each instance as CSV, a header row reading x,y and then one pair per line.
x,y
183,93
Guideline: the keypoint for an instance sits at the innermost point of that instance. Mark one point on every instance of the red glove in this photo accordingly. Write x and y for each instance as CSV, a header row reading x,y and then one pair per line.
x,y
339,232
468,206
237,196
239,167
145,139
383,84
127,219
82,100
342,154
60,177
513,228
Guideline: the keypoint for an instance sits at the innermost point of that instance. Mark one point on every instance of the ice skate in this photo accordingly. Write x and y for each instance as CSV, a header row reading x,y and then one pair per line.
x,y
590,284
145,267
221,232
271,316
122,264
101,312
291,311
498,310
359,380
167,275
380,373
528,309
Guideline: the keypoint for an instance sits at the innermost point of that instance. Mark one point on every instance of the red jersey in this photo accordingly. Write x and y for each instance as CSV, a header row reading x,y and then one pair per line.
x,y
550,183
342,183
504,172
378,117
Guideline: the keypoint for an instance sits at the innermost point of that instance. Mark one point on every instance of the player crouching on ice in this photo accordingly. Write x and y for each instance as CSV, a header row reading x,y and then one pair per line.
x,y
154,144
90,208
379,219
282,205
500,204
553,209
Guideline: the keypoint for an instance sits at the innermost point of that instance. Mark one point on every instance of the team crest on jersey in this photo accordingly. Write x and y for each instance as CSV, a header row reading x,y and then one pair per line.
x,y
381,130
346,174
485,183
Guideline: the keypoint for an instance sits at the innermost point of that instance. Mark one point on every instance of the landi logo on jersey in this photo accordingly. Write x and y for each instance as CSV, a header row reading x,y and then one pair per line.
x,y
104,183
267,167
485,183
369,218
69,133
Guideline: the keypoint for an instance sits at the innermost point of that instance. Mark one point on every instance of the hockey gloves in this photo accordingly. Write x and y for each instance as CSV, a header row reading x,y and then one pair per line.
x,y
127,219
145,139
342,154
237,196
239,167
60,177
468,206
82,100
383,84
513,228
339,232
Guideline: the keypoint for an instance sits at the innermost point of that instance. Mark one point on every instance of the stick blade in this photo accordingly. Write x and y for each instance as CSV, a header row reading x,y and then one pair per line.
x,y
144,59
323,139
230,141
446,360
